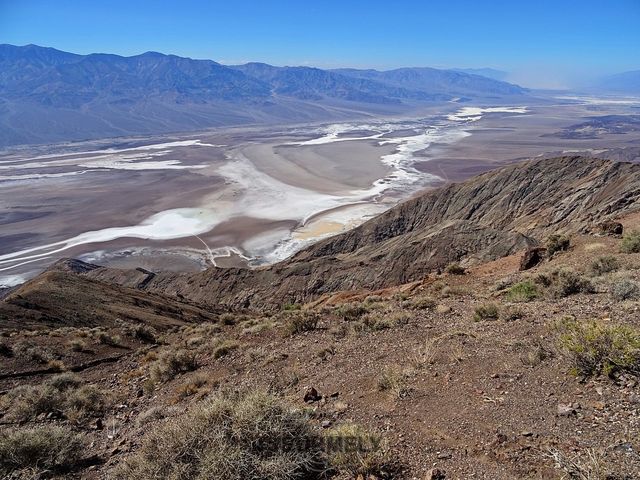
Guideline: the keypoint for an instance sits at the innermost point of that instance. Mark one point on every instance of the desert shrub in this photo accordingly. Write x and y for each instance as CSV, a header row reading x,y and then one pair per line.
x,y
78,345
455,269
486,311
170,364
63,393
604,264
107,339
630,242
356,452
144,333
566,282
524,291
83,400
6,350
192,387
394,380
288,307
557,243
423,303
351,311
511,313
38,450
371,299
235,437
375,321
33,352
301,321
225,348
624,289
595,347
228,319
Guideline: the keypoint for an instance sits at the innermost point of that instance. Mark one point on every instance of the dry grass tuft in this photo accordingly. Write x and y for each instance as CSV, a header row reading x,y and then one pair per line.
x,y
34,452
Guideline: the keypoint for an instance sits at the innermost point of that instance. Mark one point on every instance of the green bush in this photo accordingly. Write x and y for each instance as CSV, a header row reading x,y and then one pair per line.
x,y
630,242
524,291
595,347
39,450
487,311
557,243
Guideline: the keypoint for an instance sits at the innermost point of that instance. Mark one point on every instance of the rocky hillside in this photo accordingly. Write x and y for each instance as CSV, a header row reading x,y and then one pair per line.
x,y
489,372
487,217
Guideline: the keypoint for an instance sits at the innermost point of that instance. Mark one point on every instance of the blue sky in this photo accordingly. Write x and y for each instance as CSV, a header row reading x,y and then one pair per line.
x,y
542,43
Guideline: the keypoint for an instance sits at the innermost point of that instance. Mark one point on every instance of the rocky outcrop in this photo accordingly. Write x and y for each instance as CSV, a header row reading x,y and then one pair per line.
x,y
532,257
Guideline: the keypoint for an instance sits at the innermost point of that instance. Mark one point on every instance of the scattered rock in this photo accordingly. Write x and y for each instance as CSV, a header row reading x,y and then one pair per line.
x,y
335,395
98,425
610,228
443,309
566,410
444,455
435,474
325,423
532,257
312,395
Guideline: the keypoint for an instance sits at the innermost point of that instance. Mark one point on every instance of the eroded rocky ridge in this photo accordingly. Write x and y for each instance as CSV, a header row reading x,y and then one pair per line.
x,y
489,216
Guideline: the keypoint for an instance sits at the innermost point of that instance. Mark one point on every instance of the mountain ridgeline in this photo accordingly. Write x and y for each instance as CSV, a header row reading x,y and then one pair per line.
x,y
47,95
493,215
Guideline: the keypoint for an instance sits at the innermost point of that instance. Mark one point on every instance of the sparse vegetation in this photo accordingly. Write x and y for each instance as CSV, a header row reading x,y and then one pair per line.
x,y
170,364
107,339
557,243
63,394
455,269
30,452
630,242
144,333
228,319
423,303
624,289
596,347
565,282
301,321
225,348
487,311
235,437
351,311
356,452
524,291
78,345
604,264
394,380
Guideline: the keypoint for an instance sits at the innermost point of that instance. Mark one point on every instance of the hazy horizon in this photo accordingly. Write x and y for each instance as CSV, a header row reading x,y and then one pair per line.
x,y
542,45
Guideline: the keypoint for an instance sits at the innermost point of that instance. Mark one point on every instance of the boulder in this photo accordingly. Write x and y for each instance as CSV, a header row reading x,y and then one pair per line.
x,y
532,257
611,228
312,395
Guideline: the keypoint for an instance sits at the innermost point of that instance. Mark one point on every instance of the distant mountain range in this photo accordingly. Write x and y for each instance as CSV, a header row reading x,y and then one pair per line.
x,y
47,95
626,82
